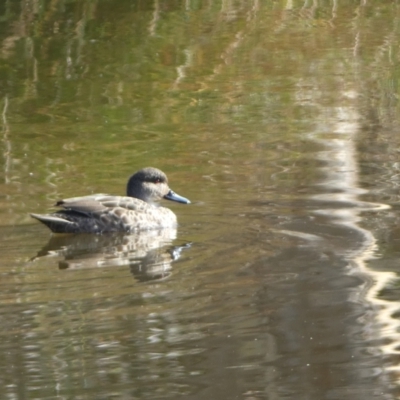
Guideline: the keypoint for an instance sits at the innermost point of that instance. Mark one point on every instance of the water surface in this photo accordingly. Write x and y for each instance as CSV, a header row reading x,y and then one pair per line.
x,y
279,122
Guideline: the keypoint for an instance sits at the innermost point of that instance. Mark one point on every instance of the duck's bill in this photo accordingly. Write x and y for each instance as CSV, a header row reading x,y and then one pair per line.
x,y
175,197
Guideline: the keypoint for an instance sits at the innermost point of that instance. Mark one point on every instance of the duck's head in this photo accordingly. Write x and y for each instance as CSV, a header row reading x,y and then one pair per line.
x,y
151,185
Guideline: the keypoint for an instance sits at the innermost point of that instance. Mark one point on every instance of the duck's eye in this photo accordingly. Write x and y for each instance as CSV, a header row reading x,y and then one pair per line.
x,y
157,180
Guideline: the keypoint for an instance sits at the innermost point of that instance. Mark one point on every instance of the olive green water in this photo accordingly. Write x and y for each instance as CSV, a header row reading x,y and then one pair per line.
x,y
279,121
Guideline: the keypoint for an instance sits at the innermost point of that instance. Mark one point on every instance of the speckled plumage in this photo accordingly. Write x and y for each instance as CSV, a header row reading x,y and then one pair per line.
x,y
100,213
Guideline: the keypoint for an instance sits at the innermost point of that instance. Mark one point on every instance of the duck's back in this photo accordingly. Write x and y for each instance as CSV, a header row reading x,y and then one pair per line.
x,y
104,213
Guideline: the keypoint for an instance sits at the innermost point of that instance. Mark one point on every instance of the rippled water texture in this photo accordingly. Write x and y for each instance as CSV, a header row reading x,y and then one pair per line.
x,y
279,121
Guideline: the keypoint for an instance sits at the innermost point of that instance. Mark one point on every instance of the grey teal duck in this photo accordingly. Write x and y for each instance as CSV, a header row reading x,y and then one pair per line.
x,y
100,213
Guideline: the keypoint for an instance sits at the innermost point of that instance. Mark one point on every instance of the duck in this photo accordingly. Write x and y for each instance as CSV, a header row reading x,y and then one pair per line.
x,y
102,213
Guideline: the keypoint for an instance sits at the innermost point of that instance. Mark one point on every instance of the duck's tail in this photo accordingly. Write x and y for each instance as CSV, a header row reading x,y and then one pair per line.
x,y
55,223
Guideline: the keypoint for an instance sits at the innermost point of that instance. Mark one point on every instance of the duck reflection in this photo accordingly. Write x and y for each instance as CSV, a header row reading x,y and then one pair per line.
x,y
149,255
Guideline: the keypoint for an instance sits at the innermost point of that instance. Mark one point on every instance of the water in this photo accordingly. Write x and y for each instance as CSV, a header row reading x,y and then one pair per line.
x,y
279,122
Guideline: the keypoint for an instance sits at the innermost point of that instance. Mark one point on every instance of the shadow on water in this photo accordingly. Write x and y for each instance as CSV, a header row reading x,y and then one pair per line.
x,y
149,255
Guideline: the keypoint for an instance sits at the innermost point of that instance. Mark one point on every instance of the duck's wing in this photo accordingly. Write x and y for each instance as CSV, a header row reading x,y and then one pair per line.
x,y
86,205
98,203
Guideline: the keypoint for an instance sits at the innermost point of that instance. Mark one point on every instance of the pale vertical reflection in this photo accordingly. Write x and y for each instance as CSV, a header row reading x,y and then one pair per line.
x,y
181,69
154,20
337,134
334,11
289,5
7,142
